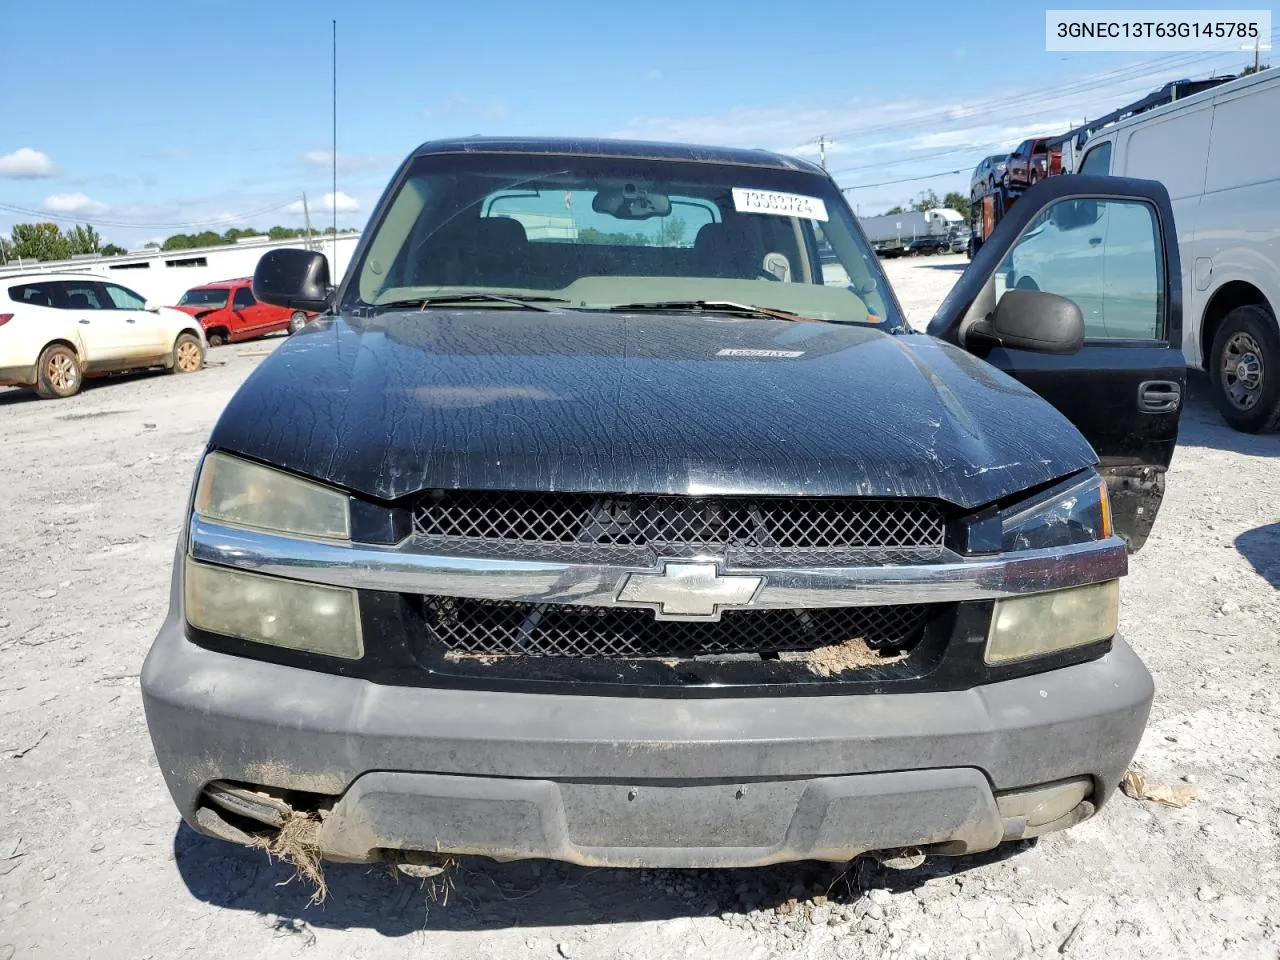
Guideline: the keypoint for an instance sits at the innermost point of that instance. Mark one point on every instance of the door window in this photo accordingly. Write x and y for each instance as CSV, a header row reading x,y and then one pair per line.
x,y
1102,254
122,298
243,299
43,294
83,295
1098,160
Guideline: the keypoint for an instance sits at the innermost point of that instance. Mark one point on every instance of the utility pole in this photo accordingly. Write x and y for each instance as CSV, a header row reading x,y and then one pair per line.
x,y
1257,55
306,216
822,150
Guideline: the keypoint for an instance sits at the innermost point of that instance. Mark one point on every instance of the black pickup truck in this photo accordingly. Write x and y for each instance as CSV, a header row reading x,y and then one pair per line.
x,y
614,514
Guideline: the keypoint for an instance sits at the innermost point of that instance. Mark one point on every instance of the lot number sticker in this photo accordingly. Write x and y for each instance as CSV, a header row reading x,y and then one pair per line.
x,y
779,204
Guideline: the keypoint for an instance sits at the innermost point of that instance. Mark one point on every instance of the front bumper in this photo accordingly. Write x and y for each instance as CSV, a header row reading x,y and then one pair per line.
x,y
631,781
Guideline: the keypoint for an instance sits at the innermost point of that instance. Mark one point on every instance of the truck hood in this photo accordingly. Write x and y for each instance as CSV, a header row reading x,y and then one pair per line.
x,y
194,311
643,403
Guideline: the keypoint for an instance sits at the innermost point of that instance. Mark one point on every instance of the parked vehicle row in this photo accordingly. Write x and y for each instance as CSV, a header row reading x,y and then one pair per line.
x,y
58,329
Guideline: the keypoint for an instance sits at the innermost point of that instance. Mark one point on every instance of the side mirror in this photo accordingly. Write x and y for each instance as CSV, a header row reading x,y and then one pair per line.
x,y
1038,321
296,279
151,306
1074,214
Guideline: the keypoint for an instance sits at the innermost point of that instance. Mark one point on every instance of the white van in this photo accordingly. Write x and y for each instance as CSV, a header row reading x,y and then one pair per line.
x,y
1218,154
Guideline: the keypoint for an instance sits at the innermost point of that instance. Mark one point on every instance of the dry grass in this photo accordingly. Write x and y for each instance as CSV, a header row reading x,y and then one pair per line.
x,y
297,845
851,654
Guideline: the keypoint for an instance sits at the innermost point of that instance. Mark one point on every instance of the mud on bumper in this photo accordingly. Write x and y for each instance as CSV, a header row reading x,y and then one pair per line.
x,y
630,782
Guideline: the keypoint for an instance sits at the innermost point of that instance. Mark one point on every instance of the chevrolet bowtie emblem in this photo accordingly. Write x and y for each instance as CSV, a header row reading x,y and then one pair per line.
x,y
688,591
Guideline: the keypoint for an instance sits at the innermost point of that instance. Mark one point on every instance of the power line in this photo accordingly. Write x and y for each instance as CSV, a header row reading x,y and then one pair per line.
x,y
886,183
1053,94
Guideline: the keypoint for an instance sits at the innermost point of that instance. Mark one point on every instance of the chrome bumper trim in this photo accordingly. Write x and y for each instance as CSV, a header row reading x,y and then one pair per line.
x,y
404,569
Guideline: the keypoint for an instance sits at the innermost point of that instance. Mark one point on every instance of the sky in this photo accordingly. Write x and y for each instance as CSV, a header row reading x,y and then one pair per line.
x,y
154,119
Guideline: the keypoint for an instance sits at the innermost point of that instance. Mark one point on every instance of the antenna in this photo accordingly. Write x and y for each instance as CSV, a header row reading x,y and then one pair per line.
x,y
333,197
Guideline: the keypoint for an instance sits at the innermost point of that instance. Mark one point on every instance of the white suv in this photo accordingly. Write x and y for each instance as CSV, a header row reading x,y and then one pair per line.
x,y
58,328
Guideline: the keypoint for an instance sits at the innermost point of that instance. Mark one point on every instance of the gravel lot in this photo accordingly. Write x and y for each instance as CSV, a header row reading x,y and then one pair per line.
x,y
94,861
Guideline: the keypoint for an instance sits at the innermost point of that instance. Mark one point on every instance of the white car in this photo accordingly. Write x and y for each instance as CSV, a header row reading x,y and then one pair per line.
x,y
58,328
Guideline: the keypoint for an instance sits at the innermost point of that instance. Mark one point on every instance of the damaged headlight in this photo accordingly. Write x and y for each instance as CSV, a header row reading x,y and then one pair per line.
x,y
311,617
1077,511
235,491
1042,623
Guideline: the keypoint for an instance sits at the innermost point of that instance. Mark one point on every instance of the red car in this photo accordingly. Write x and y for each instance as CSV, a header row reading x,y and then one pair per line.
x,y
229,312
1031,163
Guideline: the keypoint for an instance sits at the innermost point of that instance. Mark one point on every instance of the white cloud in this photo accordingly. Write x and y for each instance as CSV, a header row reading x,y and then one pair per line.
x,y
886,144
345,204
347,162
74,203
26,164
653,75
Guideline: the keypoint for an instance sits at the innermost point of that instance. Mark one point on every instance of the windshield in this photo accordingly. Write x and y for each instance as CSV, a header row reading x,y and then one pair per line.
x,y
204,298
608,232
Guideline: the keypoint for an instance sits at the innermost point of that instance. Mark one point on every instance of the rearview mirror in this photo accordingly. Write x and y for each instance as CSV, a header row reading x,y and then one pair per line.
x,y
151,306
295,279
1038,321
630,202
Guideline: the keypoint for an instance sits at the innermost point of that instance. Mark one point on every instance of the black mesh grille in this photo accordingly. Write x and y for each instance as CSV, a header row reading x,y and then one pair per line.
x,y
500,627
791,523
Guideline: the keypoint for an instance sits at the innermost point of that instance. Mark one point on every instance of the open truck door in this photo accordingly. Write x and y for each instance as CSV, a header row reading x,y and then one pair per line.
x,y
1107,244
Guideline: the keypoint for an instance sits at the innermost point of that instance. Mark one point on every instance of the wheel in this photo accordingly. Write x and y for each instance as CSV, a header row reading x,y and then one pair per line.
x,y
297,321
58,372
188,354
1244,367
216,338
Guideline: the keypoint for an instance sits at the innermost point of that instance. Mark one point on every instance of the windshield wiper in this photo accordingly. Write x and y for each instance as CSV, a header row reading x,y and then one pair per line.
x,y
715,306
525,301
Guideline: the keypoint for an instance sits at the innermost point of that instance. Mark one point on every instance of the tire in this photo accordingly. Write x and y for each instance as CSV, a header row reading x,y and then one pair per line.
x,y
188,354
297,321
1244,368
58,373
1026,283
216,338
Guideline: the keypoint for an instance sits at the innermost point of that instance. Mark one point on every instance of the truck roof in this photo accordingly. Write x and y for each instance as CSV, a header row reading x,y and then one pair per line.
x,y
597,147
224,284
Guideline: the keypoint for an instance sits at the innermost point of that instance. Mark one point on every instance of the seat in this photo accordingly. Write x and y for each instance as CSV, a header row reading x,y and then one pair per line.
x,y
486,252
719,251
78,301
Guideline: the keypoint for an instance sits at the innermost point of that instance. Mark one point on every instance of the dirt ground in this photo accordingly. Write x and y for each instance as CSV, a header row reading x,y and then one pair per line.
x,y
94,861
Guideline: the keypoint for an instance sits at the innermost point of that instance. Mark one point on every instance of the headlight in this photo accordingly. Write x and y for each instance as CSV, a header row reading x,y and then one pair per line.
x,y
284,613
1077,511
1042,623
231,490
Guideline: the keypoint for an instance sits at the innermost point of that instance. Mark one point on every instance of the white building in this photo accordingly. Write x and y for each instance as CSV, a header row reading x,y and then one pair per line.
x,y
166,276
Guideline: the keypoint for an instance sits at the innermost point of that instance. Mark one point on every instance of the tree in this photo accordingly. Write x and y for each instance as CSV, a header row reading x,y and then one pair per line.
x,y
958,202
928,200
39,241
894,211
83,240
111,250
6,249
1252,69
670,232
